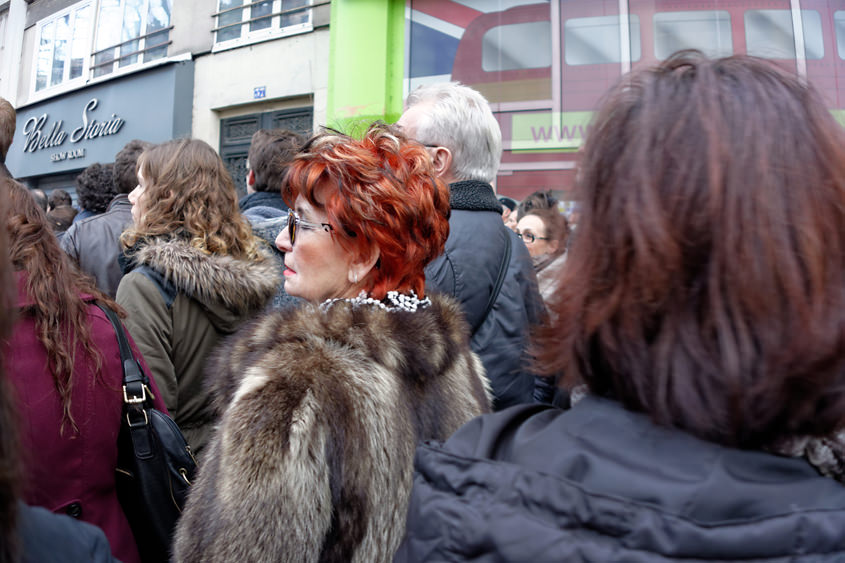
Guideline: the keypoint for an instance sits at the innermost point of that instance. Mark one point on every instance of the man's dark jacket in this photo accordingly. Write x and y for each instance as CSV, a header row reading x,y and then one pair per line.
x,y
601,483
263,199
55,538
468,269
95,243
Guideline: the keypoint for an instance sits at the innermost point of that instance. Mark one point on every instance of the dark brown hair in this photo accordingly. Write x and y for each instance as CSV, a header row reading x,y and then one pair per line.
x,y
542,199
270,154
9,440
61,218
95,187
58,198
125,164
54,285
8,121
706,286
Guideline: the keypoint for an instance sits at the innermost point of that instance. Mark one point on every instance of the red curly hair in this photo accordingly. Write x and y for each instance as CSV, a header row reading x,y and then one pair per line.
x,y
379,192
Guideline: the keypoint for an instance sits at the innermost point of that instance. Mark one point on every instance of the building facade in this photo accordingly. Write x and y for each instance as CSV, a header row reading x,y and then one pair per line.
x,y
94,74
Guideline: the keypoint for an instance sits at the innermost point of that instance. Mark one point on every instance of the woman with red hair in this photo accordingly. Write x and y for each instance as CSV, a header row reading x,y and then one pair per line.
x,y
324,405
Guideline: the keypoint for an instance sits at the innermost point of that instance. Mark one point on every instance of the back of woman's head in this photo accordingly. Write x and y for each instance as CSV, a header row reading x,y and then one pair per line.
x,y
379,192
706,284
189,193
53,287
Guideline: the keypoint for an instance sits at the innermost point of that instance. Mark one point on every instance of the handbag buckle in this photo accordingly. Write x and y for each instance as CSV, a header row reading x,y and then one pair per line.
x,y
135,425
134,399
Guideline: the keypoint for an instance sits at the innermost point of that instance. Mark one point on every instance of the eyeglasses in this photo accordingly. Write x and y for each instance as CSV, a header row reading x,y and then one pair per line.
x,y
527,237
295,222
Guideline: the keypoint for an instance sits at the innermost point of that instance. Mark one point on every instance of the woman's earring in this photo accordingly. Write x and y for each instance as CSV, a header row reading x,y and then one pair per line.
x,y
355,277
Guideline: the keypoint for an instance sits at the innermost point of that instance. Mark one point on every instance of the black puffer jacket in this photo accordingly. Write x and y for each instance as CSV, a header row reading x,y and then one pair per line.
x,y
467,270
600,483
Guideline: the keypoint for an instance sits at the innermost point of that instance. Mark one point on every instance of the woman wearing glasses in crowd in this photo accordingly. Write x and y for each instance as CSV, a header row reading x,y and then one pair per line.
x,y
323,406
544,232
703,305
64,363
194,273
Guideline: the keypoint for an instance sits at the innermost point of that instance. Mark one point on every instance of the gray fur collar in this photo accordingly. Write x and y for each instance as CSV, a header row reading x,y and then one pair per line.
x,y
239,285
416,347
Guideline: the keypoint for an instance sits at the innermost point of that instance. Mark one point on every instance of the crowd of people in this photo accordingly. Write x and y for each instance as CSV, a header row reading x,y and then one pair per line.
x,y
373,357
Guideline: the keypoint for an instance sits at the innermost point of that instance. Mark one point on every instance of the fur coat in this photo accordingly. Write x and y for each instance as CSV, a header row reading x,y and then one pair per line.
x,y
313,457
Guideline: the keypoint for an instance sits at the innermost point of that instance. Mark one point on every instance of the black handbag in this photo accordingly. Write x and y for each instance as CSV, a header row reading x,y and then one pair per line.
x,y
155,465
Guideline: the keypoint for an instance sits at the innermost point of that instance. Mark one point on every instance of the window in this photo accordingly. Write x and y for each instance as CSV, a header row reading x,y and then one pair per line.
x,y
241,21
127,32
839,26
131,32
517,46
595,40
769,34
707,31
63,43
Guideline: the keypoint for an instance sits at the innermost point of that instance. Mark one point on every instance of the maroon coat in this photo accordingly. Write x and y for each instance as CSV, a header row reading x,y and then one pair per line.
x,y
65,471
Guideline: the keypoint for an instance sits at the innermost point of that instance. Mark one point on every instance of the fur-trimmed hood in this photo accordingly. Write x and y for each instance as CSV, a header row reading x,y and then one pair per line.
x,y
227,287
322,410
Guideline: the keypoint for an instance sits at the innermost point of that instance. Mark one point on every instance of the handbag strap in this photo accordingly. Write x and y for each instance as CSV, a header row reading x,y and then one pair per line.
x,y
135,389
503,269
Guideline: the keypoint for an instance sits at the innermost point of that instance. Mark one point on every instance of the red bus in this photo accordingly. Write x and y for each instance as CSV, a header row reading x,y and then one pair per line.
x,y
545,65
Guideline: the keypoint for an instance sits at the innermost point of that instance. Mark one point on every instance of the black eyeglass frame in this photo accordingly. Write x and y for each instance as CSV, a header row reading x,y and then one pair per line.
x,y
295,222
530,238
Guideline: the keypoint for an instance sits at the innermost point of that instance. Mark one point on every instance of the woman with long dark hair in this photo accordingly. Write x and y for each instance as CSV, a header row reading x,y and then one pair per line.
x,y
702,309
64,364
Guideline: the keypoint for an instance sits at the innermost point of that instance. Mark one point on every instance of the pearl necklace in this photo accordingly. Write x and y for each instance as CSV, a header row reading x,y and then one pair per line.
x,y
395,302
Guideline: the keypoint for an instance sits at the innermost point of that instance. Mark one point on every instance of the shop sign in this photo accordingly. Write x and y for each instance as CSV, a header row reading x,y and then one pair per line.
x,y
41,134
67,155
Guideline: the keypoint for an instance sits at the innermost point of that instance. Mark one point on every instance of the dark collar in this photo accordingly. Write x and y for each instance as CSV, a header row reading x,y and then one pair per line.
x,y
472,195
121,200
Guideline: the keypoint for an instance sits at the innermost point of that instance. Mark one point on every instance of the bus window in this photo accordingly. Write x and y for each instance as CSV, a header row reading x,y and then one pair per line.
x,y
769,34
517,46
595,40
707,31
839,25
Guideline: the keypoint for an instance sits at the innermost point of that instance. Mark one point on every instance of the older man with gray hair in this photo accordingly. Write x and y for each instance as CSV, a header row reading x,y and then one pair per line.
x,y
485,266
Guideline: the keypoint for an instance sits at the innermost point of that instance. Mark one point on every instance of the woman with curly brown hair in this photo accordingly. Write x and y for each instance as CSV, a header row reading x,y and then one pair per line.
x,y
702,306
64,363
194,273
323,405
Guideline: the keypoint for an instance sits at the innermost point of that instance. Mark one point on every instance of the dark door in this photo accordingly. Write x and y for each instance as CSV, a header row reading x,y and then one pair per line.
x,y
236,134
